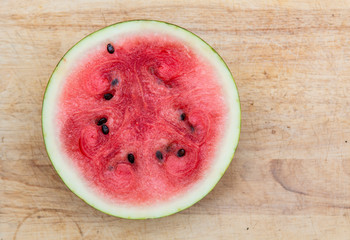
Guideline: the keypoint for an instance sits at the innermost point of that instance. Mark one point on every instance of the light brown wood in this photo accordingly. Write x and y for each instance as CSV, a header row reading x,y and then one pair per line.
x,y
290,178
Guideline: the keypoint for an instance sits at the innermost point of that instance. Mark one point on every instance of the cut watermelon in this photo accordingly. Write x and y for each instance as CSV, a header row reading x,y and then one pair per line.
x,y
141,119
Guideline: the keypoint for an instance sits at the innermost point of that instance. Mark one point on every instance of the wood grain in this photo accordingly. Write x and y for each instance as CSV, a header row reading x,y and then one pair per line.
x,y
290,178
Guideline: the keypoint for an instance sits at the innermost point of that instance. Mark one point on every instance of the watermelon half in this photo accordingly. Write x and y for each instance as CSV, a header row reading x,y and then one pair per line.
x,y
141,119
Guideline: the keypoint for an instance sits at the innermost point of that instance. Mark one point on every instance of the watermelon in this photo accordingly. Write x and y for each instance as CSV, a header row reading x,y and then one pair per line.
x,y
141,119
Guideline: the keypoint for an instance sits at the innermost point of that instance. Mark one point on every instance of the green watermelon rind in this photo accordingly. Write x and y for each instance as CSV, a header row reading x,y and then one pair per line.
x,y
148,216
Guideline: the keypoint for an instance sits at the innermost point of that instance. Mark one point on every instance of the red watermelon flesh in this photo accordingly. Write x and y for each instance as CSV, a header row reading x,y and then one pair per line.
x,y
165,99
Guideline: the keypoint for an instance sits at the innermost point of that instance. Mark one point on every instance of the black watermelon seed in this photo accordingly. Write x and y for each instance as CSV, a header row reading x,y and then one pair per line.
x,y
192,128
115,82
183,117
131,158
108,96
110,48
105,129
181,152
101,121
159,155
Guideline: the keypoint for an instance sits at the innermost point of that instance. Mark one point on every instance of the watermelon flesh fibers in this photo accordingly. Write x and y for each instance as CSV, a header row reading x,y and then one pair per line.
x,y
161,114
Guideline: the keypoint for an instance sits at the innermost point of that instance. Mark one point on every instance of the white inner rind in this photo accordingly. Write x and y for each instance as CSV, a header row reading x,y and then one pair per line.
x,y
225,148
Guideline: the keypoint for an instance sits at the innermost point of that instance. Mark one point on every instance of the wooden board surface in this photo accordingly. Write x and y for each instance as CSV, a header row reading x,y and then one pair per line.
x,y
290,178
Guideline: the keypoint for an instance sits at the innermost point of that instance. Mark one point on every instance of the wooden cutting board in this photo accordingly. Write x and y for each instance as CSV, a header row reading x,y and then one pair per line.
x,y
290,178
